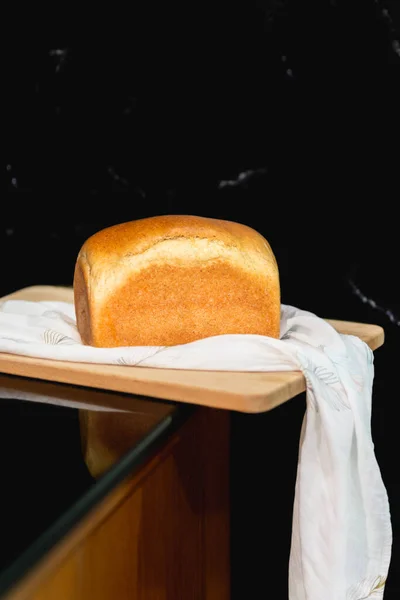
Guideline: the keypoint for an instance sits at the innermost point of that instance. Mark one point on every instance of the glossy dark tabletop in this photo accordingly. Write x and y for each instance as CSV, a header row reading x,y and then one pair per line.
x,y
63,449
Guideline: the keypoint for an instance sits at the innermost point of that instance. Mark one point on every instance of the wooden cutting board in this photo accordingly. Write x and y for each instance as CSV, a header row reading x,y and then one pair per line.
x,y
243,392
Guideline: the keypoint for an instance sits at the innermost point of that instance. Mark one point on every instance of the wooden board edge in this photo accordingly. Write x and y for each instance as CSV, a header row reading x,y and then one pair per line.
x,y
376,333
178,392
170,392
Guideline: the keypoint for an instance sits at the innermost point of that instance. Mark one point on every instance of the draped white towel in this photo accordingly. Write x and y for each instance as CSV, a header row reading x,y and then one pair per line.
x,y
342,536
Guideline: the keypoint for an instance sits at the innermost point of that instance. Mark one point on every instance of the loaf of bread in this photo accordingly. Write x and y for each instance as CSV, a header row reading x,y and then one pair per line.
x,y
168,280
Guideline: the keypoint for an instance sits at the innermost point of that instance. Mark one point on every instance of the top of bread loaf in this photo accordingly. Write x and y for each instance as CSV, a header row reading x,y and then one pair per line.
x,y
136,237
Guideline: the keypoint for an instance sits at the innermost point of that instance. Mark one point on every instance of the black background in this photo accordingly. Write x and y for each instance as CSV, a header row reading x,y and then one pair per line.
x,y
281,115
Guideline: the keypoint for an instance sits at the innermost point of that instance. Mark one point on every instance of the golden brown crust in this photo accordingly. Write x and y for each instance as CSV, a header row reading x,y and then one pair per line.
x,y
135,237
171,280
81,301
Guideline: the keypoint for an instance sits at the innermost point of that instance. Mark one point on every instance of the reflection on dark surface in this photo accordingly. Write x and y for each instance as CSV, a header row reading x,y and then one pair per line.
x,y
43,471
63,449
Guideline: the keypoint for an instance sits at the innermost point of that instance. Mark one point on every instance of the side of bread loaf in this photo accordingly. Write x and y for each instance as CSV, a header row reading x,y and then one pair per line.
x,y
173,279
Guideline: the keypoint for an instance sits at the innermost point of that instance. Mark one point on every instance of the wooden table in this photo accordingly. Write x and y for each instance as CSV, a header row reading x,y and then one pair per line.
x,y
155,525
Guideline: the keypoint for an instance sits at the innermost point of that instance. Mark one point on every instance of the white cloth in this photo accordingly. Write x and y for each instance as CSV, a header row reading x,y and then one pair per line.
x,y
342,536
